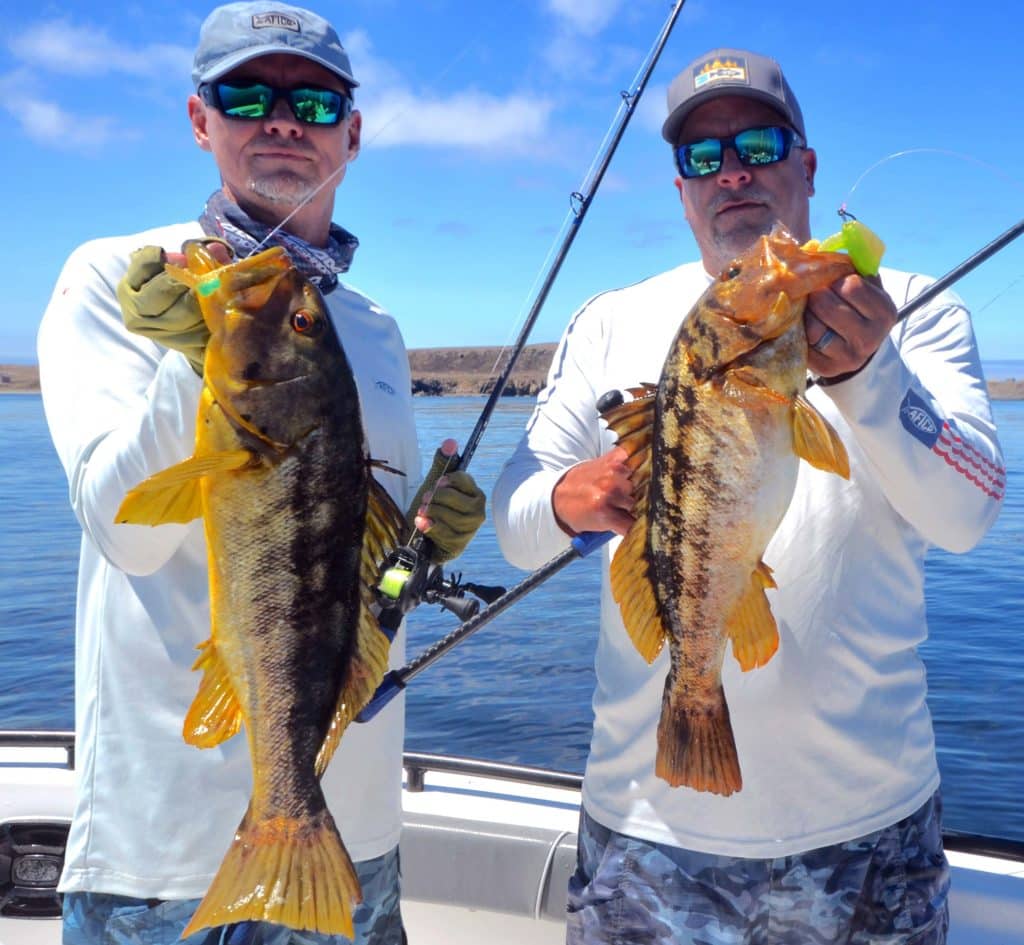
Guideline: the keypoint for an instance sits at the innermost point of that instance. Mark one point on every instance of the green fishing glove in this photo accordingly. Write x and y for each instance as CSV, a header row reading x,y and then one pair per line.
x,y
453,503
161,308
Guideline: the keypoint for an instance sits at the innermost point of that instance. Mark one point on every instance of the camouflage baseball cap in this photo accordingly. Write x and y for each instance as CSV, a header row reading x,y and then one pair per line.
x,y
729,72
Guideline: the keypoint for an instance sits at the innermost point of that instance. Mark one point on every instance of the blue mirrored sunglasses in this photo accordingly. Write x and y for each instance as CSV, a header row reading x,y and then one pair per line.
x,y
753,147
254,101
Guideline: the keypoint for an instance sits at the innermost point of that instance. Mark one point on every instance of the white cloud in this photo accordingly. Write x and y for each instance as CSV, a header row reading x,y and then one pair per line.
x,y
468,120
61,47
588,17
48,123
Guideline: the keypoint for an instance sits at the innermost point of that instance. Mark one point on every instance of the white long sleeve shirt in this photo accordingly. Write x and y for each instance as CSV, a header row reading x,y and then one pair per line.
x,y
834,735
154,816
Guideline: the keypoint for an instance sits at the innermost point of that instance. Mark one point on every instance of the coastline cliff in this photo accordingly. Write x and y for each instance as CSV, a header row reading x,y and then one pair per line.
x,y
460,371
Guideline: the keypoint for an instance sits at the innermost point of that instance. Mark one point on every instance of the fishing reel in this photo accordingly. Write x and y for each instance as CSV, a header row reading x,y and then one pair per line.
x,y
408,578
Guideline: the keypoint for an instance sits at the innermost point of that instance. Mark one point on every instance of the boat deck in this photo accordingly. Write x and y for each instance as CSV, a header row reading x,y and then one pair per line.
x,y
487,850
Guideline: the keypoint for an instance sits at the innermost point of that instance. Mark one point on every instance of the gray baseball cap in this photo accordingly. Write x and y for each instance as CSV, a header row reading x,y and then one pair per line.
x,y
729,72
237,32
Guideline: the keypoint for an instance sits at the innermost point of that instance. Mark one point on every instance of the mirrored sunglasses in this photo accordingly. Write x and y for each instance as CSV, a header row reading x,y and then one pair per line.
x,y
253,101
754,147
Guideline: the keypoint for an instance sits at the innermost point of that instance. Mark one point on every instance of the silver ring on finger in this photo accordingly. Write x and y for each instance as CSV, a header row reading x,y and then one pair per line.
x,y
824,341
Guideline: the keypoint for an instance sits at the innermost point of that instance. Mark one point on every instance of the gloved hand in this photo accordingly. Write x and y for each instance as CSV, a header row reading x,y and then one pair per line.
x,y
449,507
161,308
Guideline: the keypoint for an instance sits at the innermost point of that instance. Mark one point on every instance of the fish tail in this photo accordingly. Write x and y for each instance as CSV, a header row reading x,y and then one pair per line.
x,y
284,870
696,747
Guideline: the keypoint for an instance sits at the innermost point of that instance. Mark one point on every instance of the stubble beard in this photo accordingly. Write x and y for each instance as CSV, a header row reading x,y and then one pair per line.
x,y
283,189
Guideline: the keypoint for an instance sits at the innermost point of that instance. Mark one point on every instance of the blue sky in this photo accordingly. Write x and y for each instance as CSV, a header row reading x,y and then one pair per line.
x,y
481,118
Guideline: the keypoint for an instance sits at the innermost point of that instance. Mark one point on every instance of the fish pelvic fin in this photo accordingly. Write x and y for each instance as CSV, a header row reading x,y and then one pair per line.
x,y
173,494
755,635
292,872
369,663
815,440
633,589
215,714
696,746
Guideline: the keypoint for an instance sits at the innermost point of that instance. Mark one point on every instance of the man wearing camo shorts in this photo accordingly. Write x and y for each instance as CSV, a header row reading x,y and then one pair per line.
x,y
835,836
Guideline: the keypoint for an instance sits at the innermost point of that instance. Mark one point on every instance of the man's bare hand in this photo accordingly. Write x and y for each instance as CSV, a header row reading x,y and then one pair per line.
x,y
852,316
595,496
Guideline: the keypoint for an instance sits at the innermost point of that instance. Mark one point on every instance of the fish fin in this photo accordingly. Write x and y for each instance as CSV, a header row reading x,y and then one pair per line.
x,y
755,635
816,440
696,747
292,872
172,495
369,662
215,714
633,591
743,385
633,425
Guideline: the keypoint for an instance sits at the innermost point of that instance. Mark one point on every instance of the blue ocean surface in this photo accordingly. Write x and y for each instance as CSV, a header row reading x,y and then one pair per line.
x,y
519,690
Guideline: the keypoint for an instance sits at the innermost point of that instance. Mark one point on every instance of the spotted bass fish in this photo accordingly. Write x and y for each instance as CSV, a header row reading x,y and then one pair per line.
x,y
296,527
714,450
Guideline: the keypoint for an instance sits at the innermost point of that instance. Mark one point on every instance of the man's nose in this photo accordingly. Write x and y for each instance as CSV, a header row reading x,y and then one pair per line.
x,y
732,173
282,120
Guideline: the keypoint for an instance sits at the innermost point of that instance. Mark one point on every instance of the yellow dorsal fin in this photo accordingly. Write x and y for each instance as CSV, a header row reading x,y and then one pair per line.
x,y
633,591
815,440
755,635
633,425
384,524
172,495
215,714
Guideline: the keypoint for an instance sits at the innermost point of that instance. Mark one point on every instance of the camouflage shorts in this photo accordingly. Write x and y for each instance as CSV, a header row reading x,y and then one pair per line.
x,y
103,919
888,888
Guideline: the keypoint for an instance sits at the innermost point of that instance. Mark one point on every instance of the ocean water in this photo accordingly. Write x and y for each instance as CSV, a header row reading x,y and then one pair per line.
x,y
519,690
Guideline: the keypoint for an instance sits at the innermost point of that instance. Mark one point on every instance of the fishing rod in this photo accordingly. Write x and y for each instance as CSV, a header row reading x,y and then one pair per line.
x,y
587,542
408,577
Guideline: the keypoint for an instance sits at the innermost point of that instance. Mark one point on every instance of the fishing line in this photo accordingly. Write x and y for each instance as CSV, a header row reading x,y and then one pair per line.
x,y
970,158
341,167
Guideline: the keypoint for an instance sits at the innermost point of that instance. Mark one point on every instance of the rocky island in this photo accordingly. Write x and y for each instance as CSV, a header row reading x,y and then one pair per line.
x,y
461,371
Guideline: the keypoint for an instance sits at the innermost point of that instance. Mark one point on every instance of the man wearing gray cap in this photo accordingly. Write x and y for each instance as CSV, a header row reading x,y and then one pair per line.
x,y
153,815
835,833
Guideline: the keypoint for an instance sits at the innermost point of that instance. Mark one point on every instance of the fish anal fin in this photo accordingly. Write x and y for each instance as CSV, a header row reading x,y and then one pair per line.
x,y
633,591
173,494
696,746
215,714
755,635
369,661
291,872
815,440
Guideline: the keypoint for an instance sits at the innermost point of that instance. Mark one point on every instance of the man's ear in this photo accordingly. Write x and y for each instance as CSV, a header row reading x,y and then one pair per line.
x,y
197,118
809,158
355,133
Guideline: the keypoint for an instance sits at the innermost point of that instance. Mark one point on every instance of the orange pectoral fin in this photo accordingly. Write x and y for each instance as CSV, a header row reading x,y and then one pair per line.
x,y
215,714
815,440
633,591
755,635
743,386
172,495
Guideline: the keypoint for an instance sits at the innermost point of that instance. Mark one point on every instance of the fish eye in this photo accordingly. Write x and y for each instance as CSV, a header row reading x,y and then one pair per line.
x,y
305,322
731,274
